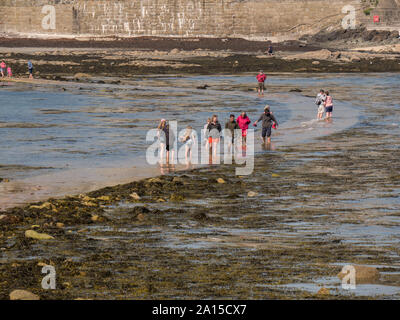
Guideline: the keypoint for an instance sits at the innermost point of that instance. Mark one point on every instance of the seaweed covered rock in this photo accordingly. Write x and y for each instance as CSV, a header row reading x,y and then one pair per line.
x,y
23,295
38,236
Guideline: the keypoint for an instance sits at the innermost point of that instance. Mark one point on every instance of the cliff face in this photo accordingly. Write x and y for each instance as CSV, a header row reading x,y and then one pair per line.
x,y
251,19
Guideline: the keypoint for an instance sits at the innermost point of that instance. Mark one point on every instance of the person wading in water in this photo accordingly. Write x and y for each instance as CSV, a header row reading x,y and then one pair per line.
x,y
214,132
268,120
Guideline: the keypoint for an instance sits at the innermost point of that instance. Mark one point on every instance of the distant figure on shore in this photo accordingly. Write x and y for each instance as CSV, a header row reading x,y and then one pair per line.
x,y
320,101
268,121
9,72
328,106
270,50
243,122
261,79
30,69
2,68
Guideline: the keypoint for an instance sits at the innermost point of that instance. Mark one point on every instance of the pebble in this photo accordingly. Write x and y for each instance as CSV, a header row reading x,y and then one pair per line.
x,y
324,291
135,196
252,194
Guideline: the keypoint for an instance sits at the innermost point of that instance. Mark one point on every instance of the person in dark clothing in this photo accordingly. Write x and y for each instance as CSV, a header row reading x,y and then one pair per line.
x,y
213,133
232,125
167,140
268,120
30,69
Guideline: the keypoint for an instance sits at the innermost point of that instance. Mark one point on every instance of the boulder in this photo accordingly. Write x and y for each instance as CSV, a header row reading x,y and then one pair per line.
x,y
8,219
174,51
81,75
364,274
323,291
23,295
177,197
135,196
104,198
252,194
38,236
45,205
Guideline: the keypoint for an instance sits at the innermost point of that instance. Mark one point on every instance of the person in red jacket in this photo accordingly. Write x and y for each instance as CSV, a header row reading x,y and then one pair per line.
x,y
243,122
261,77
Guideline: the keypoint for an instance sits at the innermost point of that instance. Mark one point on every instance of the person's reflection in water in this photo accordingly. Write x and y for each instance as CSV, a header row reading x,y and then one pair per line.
x,y
165,169
268,146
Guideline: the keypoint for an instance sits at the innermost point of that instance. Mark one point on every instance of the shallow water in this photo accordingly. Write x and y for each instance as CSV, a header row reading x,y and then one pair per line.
x,y
96,133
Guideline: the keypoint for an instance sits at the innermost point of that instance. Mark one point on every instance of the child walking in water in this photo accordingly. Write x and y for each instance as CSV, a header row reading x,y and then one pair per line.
x,y
328,106
189,139
9,72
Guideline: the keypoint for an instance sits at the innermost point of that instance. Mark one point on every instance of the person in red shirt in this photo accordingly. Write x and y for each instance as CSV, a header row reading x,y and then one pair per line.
x,y
261,77
243,122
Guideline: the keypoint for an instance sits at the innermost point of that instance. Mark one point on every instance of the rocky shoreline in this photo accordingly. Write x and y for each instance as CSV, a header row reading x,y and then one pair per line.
x,y
127,57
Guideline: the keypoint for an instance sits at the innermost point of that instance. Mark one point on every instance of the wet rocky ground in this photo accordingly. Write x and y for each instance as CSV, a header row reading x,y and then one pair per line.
x,y
59,58
311,209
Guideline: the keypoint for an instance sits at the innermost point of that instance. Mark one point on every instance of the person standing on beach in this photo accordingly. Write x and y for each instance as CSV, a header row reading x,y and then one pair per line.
x,y
2,68
319,101
261,77
167,140
268,120
214,132
243,122
9,72
328,105
30,69
232,125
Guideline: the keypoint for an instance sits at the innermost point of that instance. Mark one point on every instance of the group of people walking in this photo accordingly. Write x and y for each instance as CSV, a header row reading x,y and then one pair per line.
x,y
213,133
6,71
324,102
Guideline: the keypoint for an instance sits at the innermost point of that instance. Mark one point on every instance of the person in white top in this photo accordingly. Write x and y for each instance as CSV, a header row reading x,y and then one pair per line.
x,y
319,101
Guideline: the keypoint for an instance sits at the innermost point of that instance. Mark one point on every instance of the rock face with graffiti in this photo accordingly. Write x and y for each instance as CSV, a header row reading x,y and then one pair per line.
x,y
251,19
